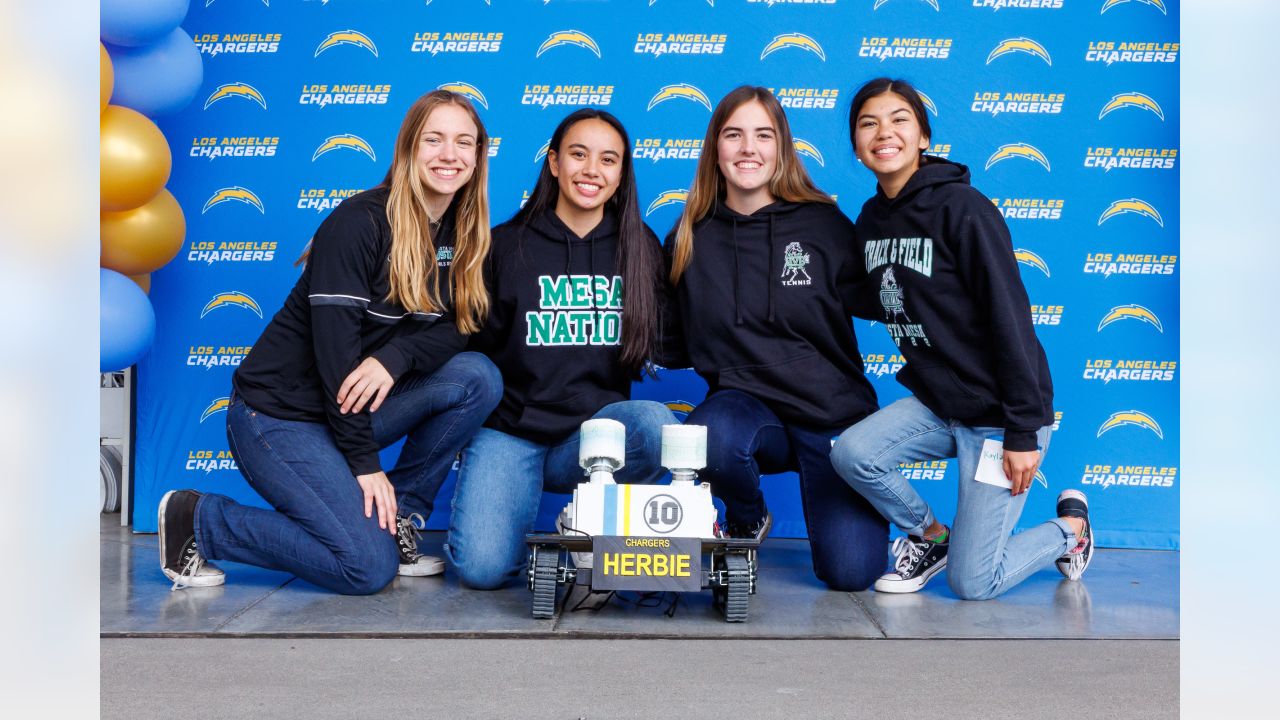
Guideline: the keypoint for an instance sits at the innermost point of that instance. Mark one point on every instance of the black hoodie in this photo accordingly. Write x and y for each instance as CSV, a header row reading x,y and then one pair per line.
x,y
765,308
555,325
940,263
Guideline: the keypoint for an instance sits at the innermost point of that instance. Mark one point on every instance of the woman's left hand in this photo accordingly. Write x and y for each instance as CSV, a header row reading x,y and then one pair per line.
x,y
369,380
1020,468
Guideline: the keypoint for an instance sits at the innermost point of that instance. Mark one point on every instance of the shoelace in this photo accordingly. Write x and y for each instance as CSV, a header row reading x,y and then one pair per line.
x,y
408,534
907,553
192,562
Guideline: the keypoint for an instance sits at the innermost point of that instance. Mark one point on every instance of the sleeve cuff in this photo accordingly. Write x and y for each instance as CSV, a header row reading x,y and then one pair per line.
x,y
364,464
392,360
1020,440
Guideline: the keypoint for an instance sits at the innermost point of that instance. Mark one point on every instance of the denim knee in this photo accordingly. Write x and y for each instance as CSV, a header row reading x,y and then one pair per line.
x,y
482,574
366,573
972,586
853,460
480,377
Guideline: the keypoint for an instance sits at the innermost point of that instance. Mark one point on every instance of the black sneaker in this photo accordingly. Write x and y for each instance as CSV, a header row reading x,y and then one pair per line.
x,y
758,531
916,561
413,563
180,559
1073,503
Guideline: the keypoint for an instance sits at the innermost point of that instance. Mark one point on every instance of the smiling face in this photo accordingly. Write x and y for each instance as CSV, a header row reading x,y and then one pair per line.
x,y
587,167
446,153
889,141
747,151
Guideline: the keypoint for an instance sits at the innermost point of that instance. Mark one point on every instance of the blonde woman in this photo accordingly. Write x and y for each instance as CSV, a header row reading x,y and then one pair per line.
x,y
364,352
764,266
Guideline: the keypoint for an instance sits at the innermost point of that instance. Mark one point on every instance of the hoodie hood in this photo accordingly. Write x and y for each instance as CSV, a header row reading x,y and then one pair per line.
x,y
769,215
937,171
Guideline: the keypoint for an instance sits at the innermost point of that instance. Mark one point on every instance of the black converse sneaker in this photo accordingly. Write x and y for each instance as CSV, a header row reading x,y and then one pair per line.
x,y
180,559
413,563
1073,503
758,531
916,561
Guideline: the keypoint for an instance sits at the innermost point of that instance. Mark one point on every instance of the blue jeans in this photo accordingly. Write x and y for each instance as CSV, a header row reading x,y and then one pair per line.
x,y
848,538
502,477
318,530
985,559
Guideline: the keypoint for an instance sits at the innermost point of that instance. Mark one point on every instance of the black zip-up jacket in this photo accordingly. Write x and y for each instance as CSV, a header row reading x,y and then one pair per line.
x,y
555,325
765,308
336,315
944,282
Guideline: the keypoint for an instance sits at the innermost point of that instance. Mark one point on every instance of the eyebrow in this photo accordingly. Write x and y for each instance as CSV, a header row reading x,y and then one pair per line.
x,y
727,128
441,133
869,116
584,147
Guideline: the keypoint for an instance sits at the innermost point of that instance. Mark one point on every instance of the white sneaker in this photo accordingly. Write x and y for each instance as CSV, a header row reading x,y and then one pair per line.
x,y
412,562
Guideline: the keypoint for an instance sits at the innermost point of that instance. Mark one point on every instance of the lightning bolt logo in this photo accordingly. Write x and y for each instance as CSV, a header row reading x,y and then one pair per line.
x,y
1131,417
346,37
1130,312
807,149
466,90
347,141
241,90
244,195
1022,45
928,103
1131,99
682,90
568,37
667,197
1026,257
217,406
681,408
790,40
1157,4
1018,150
1131,205
1040,478
542,151
233,298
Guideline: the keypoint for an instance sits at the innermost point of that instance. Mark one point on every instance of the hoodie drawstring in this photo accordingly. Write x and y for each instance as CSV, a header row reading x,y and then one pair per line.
x,y
737,295
771,280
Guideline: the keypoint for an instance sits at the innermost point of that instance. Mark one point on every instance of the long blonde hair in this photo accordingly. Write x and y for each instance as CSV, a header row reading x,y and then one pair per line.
x,y
790,181
414,273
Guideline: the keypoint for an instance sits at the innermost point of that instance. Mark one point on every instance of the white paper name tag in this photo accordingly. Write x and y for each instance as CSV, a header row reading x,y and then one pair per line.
x,y
991,464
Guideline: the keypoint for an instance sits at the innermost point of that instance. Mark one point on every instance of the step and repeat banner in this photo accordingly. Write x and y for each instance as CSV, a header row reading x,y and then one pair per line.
x,y
1065,111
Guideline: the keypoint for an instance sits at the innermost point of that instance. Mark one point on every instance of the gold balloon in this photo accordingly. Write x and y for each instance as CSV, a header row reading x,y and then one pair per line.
x,y
135,159
138,241
106,78
144,282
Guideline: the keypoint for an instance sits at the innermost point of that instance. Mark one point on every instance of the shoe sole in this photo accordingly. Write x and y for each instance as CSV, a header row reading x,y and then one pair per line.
x,y
909,586
198,580
422,569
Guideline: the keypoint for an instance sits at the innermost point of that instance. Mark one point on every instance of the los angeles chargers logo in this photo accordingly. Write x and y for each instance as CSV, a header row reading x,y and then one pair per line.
x,y
1131,99
1131,205
1040,478
466,90
240,90
232,298
1020,45
667,197
793,40
1157,4
681,408
217,406
568,37
928,103
1030,259
346,141
1018,150
931,3
237,193
681,90
1130,312
809,150
346,37
542,151
1136,418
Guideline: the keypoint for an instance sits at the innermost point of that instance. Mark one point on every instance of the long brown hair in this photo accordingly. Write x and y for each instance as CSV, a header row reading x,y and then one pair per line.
x,y
414,274
790,181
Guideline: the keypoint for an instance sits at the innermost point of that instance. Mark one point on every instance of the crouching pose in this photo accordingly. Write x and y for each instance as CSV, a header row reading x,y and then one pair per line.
x,y
941,265
764,265
364,352
577,288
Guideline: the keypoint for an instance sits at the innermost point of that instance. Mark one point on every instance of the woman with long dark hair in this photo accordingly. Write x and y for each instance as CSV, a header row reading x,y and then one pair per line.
x,y
364,352
944,281
764,265
577,287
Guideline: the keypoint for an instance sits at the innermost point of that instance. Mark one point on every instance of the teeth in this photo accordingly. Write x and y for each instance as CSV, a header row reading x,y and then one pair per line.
x,y
588,187
887,151
446,172
749,165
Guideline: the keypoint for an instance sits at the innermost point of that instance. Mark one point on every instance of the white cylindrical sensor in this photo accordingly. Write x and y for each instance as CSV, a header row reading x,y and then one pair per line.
x,y
684,448
602,442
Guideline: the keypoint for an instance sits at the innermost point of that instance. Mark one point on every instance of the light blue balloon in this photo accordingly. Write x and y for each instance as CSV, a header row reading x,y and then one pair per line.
x,y
158,79
127,323
139,22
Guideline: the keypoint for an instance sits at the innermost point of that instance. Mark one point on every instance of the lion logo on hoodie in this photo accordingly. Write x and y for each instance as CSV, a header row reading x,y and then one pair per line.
x,y
795,260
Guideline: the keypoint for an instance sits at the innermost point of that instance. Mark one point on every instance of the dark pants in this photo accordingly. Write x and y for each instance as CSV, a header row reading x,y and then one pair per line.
x,y
317,529
745,438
